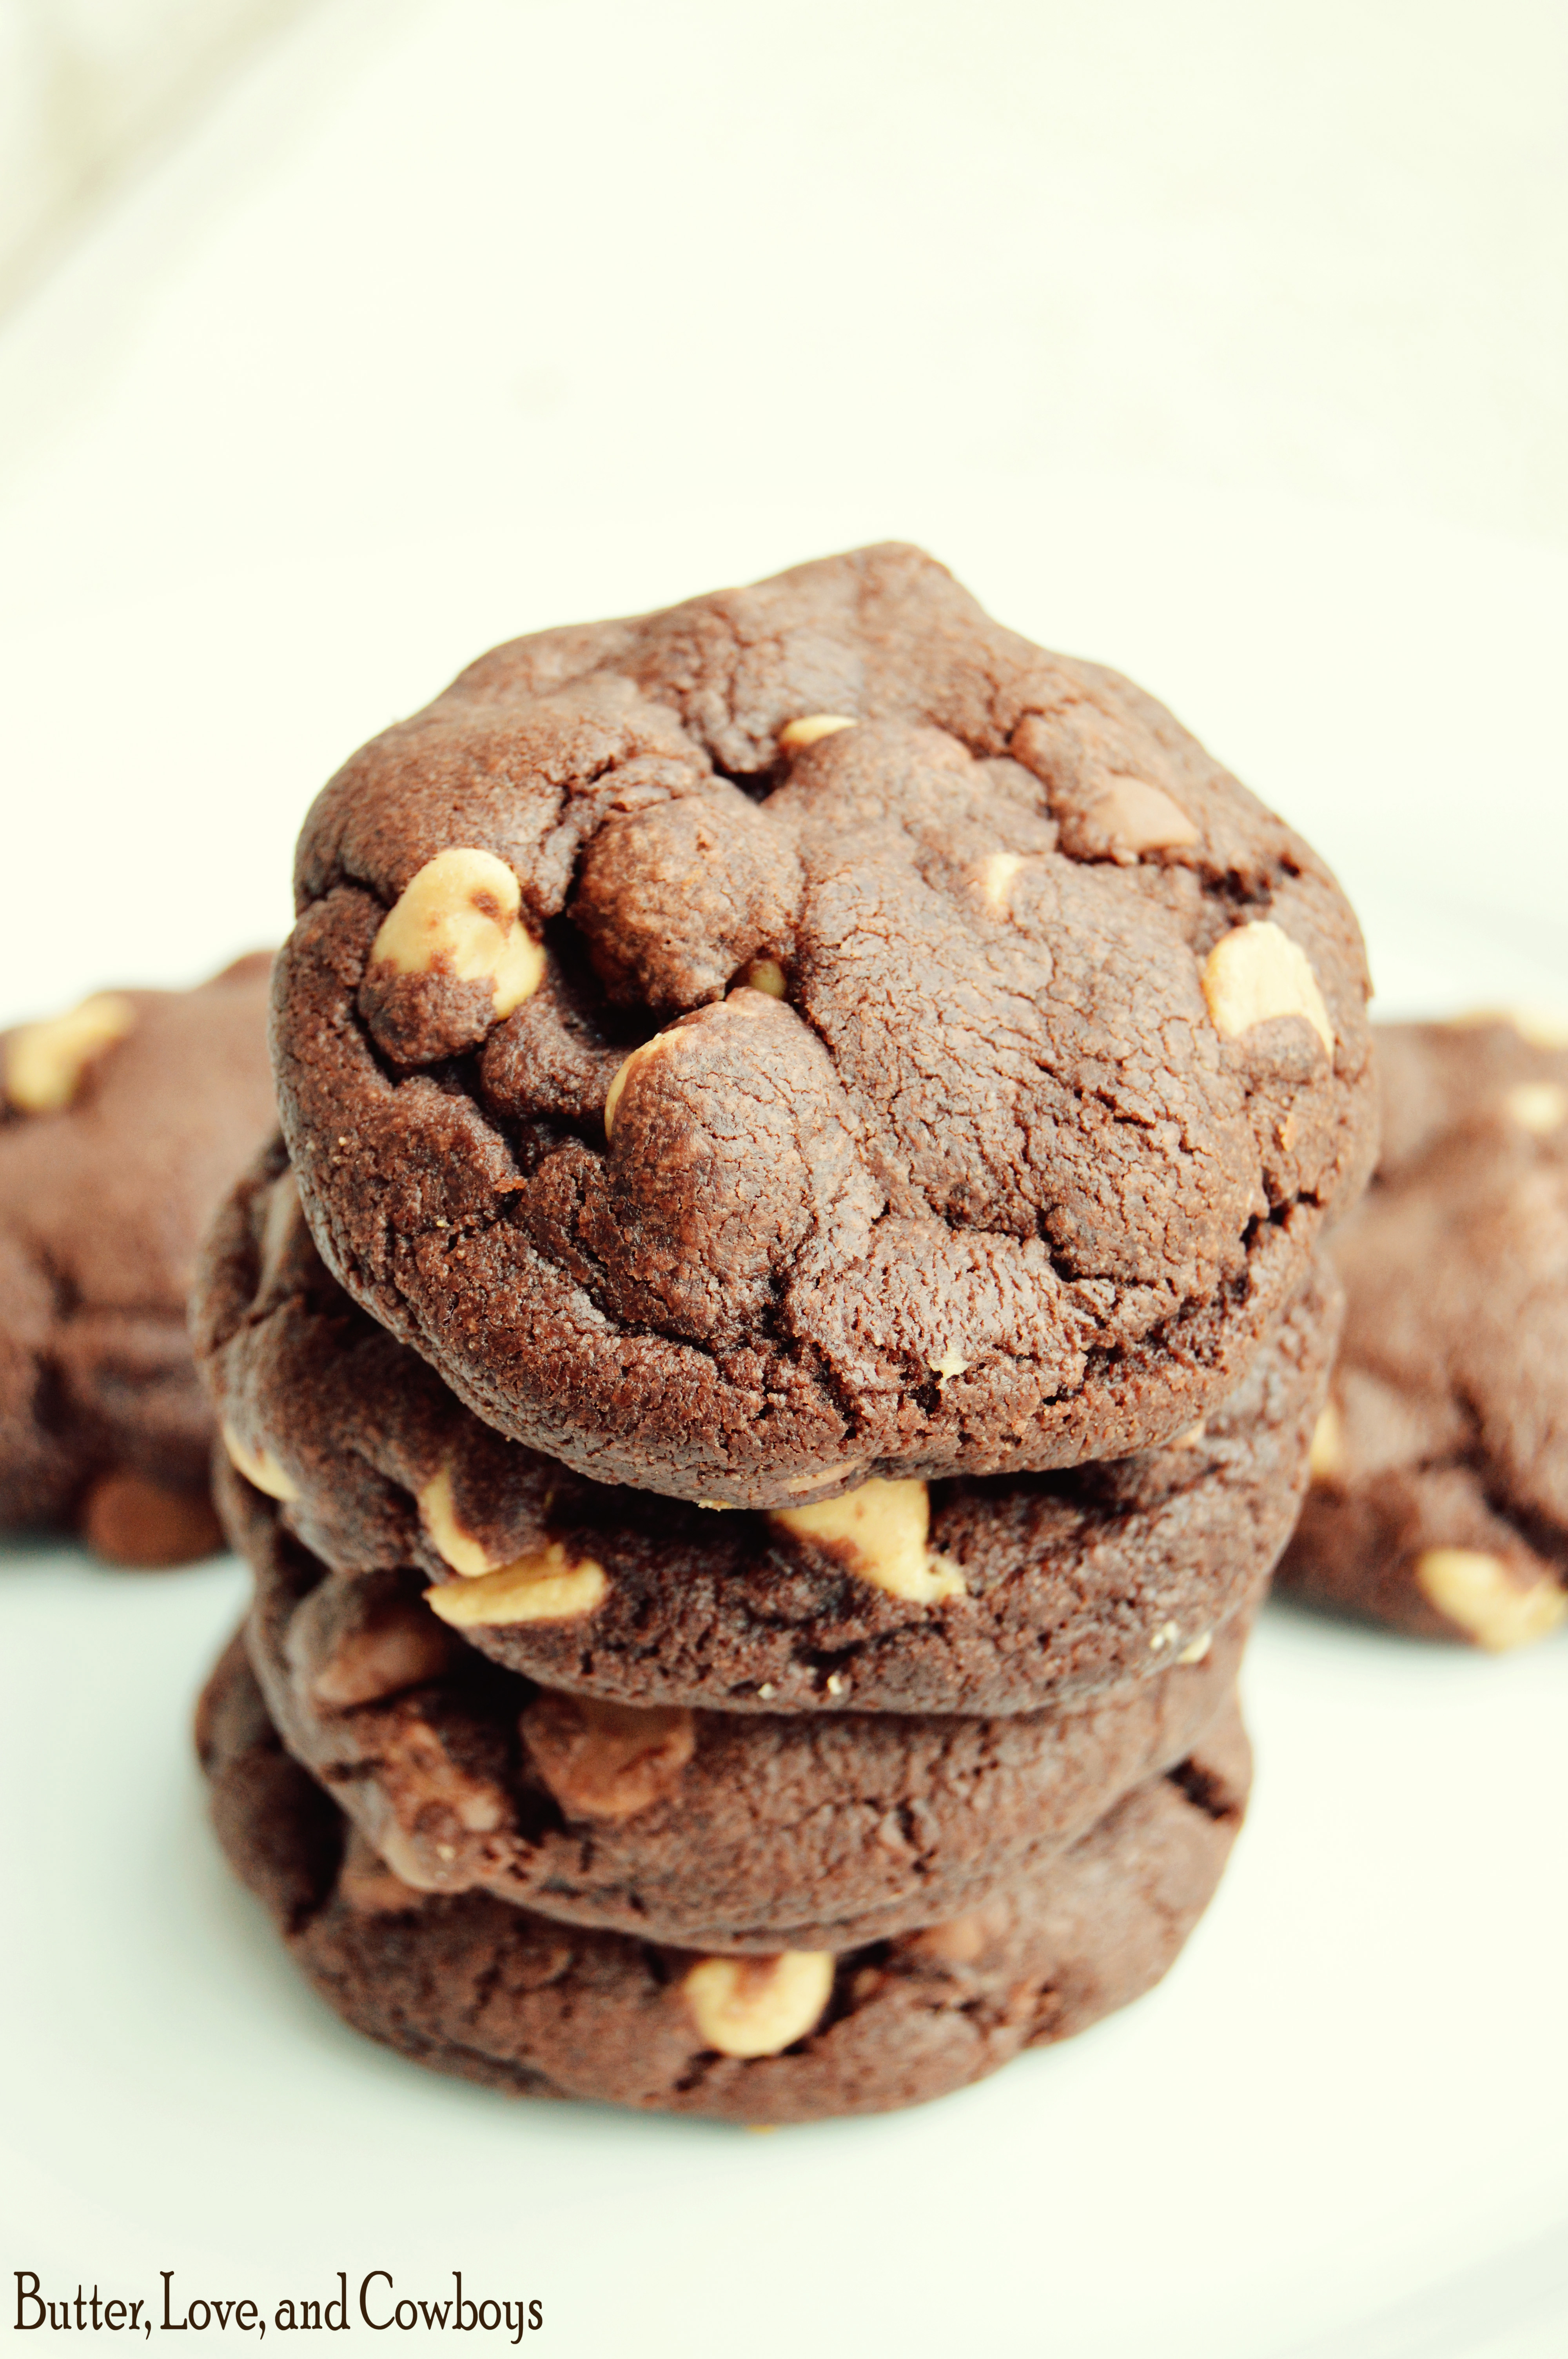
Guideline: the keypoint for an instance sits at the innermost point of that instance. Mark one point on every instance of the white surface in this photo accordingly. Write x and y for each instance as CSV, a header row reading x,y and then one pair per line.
x,y
1342,2127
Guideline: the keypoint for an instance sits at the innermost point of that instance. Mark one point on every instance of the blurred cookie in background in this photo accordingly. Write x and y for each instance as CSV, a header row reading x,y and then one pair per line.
x,y
121,1124
468,1984
1439,1496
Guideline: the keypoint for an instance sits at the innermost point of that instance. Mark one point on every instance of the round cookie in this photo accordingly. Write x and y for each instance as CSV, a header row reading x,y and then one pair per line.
x,y
1000,1595
713,1830
495,1993
813,1035
1439,1498
120,1125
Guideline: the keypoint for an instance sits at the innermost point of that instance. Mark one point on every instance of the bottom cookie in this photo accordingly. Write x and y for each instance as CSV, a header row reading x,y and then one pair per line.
x,y
740,1831
476,1987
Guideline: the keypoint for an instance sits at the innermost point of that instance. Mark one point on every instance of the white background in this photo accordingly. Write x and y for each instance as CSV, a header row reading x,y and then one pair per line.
x,y
1223,344
86,88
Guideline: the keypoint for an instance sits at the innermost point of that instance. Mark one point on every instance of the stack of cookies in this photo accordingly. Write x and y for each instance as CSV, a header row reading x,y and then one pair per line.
x,y
768,1372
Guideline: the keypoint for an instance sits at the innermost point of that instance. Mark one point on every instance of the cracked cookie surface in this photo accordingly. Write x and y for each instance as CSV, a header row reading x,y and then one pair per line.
x,y
742,1106
120,1125
717,1830
493,1993
1439,1499
1001,1594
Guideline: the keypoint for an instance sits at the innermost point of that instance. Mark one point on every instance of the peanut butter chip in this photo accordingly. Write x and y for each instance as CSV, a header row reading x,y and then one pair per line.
x,y
798,735
369,1887
1326,1459
437,1513
607,1760
400,1857
547,1586
957,1943
458,916
259,1467
961,1940
45,1063
764,975
880,1531
1257,972
399,1648
758,2007
638,1057
1479,1596
1539,1107
1143,818
995,877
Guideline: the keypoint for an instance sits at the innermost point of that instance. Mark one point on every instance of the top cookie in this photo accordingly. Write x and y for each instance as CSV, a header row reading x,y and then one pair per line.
x,y
812,1034
121,1126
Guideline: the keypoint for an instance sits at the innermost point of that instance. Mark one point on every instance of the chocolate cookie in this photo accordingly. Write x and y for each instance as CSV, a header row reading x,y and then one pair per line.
x,y
999,1595
120,1125
717,1830
813,1035
496,1993
1439,1500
